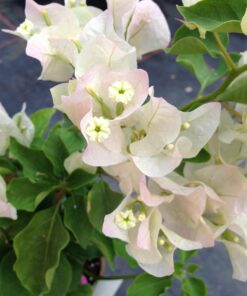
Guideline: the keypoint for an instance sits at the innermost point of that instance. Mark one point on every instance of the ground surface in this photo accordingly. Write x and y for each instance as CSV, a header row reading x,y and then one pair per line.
x,y
18,84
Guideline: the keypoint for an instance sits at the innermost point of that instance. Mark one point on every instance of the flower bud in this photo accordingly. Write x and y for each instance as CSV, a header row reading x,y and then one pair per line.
x,y
141,217
169,147
185,126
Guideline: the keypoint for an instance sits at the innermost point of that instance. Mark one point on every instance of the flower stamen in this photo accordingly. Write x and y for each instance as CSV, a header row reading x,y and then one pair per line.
x,y
125,220
121,91
98,129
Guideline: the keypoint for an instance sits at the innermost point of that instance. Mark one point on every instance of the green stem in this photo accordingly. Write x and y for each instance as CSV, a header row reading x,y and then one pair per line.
x,y
225,54
232,111
213,95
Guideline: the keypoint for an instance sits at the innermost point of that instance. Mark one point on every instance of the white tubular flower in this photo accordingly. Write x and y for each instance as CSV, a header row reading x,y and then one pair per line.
x,y
26,29
98,129
121,92
125,220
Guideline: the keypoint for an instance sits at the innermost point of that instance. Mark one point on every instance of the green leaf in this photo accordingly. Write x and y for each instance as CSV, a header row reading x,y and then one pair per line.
x,y
72,139
56,151
38,248
77,270
120,250
179,269
194,287
147,285
76,220
218,16
26,195
83,291
41,120
101,201
186,255
62,279
236,92
76,251
188,41
6,166
192,268
79,178
105,245
35,164
9,283
206,76
202,156
19,224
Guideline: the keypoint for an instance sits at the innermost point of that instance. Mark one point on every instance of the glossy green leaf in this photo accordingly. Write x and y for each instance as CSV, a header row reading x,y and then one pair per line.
x,y
147,285
197,65
6,166
77,271
101,201
212,15
19,224
75,251
188,41
9,283
56,151
79,178
202,156
83,291
194,287
26,195
35,164
38,248
236,92
75,219
72,139
62,279
105,245
41,120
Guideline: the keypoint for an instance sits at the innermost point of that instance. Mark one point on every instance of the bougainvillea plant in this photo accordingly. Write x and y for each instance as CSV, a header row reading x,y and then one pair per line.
x,y
179,174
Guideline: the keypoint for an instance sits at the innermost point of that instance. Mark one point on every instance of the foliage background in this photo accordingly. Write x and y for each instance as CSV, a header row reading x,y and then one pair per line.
x,y
18,84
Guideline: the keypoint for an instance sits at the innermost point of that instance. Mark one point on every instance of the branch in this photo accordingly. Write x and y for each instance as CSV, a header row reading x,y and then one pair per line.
x,y
213,95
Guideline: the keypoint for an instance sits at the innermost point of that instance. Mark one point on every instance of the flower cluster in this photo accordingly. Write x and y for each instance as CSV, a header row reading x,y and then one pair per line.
x,y
143,141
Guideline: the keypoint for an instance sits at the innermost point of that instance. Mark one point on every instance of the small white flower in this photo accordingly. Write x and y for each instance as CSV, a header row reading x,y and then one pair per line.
x,y
125,220
121,92
26,29
98,129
